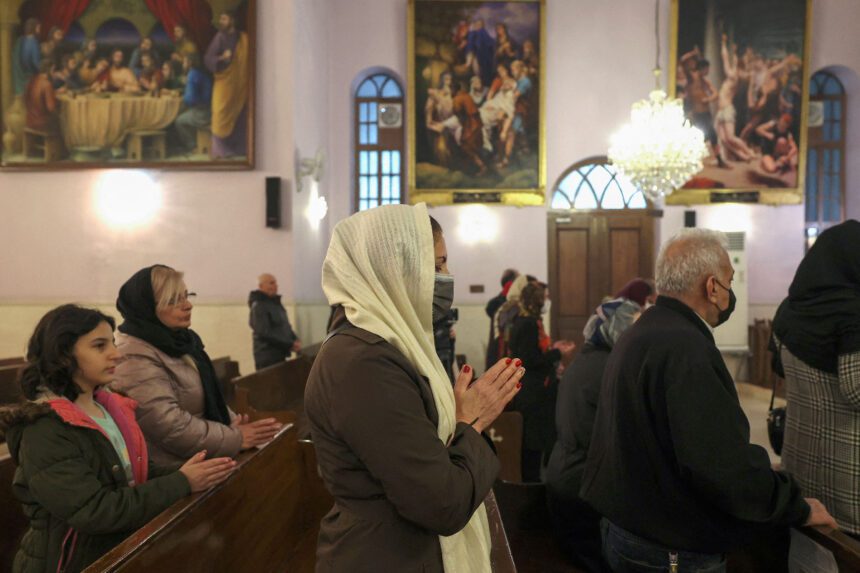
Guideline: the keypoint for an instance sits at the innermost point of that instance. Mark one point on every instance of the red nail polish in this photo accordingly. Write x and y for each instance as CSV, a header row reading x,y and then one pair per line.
x,y
519,385
467,368
507,361
519,363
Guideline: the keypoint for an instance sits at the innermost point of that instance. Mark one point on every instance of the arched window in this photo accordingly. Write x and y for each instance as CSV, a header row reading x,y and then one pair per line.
x,y
825,167
594,183
378,141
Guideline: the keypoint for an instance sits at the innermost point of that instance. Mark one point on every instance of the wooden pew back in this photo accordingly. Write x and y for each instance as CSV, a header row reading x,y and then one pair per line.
x,y
225,371
260,519
507,435
845,549
15,361
277,391
14,521
10,389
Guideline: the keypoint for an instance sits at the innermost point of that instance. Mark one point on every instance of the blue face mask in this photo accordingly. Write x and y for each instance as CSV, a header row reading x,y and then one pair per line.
x,y
443,296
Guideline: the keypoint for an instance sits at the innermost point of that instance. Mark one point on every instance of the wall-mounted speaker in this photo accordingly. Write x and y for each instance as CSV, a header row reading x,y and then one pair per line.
x,y
689,218
273,202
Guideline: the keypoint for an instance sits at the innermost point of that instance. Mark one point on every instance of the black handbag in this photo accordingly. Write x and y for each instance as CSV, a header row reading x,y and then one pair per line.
x,y
776,427
776,416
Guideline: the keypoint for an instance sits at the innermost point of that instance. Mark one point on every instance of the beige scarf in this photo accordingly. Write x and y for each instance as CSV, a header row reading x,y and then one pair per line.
x,y
380,267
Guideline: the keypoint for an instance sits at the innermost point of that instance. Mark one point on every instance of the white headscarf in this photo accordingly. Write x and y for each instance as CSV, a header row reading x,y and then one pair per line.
x,y
380,267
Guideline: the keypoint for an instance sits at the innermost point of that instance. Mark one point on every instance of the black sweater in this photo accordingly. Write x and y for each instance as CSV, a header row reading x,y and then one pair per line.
x,y
670,458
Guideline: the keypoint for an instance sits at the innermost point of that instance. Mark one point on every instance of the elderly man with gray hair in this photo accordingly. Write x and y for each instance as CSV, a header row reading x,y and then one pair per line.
x,y
274,339
671,467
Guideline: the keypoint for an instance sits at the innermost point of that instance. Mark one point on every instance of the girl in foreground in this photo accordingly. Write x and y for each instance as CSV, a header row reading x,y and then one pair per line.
x,y
82,466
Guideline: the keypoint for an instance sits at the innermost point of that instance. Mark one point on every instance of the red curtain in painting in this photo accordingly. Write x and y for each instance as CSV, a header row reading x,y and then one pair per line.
x,y
54,13
194,15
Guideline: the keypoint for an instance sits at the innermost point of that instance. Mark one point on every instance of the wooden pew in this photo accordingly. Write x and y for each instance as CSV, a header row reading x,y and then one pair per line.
x,y
261,519
845,548
10,389
277,391
507,435
225,371
13,519
18,360
525,517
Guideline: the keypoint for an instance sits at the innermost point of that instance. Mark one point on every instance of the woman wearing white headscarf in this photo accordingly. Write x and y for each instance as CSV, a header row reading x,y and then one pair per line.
x,y
398,448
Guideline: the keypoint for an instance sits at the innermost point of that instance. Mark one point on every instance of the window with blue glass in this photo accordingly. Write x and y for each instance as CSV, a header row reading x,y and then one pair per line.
x,y
595,184
378,142
825,166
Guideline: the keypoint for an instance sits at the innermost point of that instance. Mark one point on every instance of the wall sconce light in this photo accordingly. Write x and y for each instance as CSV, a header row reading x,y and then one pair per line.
x,y
309,166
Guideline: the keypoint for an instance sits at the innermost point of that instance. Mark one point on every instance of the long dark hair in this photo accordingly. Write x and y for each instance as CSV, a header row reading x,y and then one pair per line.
x,y
532,299
51,362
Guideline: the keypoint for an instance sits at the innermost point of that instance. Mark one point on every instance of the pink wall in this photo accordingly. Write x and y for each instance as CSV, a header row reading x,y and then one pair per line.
x,y
53,246
599,61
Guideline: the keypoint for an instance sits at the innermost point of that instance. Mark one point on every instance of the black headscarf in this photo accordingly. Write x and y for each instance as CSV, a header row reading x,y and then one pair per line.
x,y
136,303
820,319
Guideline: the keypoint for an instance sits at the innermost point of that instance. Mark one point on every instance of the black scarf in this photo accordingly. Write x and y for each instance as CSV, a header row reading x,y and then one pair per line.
x,y
136,303
820,319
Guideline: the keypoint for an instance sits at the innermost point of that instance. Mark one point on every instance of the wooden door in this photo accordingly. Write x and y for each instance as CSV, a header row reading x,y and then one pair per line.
x,y
592,255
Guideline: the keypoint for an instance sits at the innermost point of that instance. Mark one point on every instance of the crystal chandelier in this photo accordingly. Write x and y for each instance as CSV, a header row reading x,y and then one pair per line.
x,y
658,151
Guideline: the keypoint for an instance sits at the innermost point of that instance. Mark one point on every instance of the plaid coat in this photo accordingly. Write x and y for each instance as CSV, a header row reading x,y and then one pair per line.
x,y
822,434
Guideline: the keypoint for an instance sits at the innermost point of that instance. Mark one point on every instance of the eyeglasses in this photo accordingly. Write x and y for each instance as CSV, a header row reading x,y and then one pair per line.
x,y
182,298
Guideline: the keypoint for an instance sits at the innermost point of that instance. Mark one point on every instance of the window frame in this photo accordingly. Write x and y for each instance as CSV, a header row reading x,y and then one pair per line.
x,y
818,145
379,147
596,160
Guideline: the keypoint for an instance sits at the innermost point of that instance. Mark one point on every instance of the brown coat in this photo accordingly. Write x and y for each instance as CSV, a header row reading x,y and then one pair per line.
x,y
396,486
170,404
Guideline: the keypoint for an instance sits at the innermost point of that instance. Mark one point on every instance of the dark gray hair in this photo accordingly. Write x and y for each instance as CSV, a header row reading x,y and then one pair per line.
x,y
687,257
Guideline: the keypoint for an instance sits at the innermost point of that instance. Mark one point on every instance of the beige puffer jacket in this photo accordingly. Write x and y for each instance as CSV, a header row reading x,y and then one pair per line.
x,y
170,404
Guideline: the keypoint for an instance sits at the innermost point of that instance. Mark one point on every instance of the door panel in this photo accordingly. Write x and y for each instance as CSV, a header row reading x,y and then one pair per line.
x,y
593,255
572,292
624,256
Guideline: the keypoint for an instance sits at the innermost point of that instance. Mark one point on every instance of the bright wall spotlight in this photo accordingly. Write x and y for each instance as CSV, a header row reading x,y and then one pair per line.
x,y
127,198
478,224
317,206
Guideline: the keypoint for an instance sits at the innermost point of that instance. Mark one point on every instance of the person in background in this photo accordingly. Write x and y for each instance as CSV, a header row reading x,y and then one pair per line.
x,y
136,60
83,474
817,337
670,465
492,307
167,371
26,55
577,525
504,317
274,339
536,401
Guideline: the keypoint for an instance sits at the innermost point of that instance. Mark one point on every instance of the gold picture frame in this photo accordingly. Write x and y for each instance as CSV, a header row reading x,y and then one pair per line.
x,y
462,180
757,170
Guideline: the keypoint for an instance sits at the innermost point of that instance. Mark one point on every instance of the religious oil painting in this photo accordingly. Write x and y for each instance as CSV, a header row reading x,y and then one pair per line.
x,y
476,80
741,69
127,83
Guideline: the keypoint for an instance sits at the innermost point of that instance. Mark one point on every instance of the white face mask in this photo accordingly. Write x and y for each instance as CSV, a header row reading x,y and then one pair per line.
x,y
547,305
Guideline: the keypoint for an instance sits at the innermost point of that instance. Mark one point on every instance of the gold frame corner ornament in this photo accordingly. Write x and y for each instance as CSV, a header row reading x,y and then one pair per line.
x,y
528,197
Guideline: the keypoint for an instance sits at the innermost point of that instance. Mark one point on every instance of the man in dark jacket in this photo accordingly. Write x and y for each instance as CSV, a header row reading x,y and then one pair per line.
x,y
274,339
492,307
670,466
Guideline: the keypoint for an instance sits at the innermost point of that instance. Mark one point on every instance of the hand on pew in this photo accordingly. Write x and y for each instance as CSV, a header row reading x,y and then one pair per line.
x,y
818,514
479,403
203,474
256,433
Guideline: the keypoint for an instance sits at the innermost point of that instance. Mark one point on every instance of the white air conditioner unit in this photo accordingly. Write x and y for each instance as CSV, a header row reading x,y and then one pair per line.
x,y
733,336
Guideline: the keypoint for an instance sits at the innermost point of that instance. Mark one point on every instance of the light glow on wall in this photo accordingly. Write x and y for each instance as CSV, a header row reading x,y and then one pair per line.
x,y
729,218
317,207
127,199
478,224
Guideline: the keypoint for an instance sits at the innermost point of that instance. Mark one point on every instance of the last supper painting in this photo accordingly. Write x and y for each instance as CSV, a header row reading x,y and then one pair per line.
x,y
127,83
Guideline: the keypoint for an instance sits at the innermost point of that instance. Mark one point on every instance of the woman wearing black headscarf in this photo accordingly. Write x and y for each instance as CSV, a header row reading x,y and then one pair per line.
x,y
817,333
166,370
